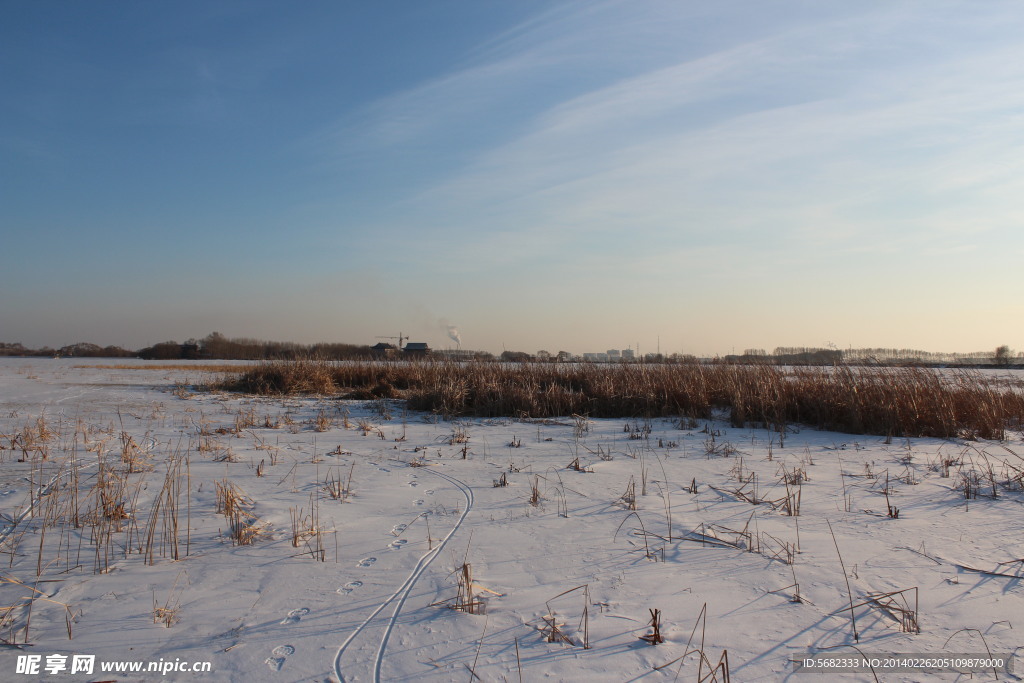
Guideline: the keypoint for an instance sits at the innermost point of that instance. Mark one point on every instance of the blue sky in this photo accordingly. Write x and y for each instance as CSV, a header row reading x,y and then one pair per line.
x,y
556,175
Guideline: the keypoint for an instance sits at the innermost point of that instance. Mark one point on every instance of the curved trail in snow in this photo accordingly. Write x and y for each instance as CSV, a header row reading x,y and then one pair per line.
x,y
403,591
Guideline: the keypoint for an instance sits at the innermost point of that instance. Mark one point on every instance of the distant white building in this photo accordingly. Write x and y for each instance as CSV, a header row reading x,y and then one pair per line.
x,y
610,356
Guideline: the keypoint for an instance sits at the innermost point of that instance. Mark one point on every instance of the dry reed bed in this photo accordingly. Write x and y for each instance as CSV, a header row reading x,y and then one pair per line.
x,y
899,402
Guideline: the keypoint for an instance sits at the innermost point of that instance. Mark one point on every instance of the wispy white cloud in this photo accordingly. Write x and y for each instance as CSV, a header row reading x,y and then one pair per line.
x,y
800,147
657,147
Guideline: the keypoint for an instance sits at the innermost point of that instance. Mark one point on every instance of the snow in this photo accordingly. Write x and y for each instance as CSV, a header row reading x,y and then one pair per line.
x,y
423,502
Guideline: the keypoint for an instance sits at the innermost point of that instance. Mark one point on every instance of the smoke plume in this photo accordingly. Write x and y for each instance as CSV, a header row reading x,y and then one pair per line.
x,y
453,333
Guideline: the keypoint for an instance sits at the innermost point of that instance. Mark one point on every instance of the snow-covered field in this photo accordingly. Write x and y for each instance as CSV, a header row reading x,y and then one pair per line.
x,y
359,524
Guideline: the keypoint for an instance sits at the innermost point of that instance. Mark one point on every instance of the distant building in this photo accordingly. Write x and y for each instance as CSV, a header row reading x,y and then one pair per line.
x,y
610,356
384,349
416,349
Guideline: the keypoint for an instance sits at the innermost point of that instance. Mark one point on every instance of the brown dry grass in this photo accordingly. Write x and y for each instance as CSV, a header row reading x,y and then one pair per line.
x,y
909,401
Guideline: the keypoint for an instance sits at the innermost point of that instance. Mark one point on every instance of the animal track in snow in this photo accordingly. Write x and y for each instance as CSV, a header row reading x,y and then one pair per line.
x,y
399,597
417,502
278,656
414,483
349,587
295,615
399,528
397,545
366,561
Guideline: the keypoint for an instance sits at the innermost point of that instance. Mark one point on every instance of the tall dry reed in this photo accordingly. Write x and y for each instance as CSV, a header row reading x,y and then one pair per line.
x,y
899,402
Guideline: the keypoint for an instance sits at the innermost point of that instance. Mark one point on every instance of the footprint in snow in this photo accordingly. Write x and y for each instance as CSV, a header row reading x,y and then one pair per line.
x,y
383,469
366,561
397,545
279,655
349,587
417,502
414,483
295,615
429,492
399,528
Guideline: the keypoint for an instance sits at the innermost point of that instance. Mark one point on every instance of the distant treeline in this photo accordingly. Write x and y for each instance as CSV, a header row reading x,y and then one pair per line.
x,y
83,350
215,346
1002,356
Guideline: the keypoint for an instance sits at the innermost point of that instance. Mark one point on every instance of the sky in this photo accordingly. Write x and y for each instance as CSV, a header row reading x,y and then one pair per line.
x,y
680,176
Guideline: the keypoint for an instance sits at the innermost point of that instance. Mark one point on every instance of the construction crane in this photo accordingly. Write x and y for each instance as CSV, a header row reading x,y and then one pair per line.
x,y
400,338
